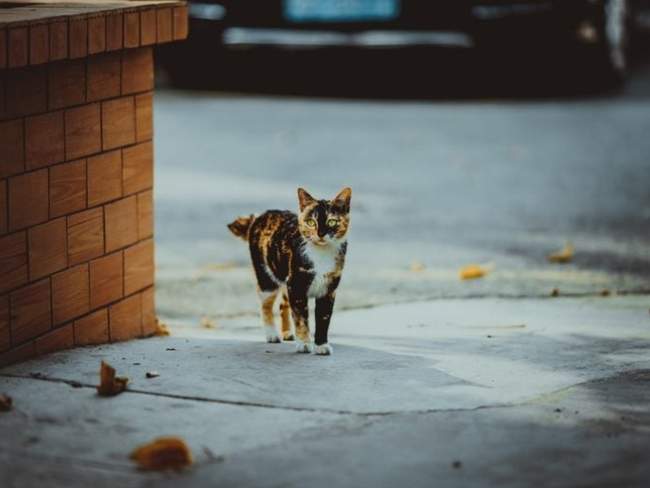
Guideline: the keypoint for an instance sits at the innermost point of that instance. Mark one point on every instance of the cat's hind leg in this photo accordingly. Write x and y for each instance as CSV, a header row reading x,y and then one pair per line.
x,y
268,300
285,314
300,314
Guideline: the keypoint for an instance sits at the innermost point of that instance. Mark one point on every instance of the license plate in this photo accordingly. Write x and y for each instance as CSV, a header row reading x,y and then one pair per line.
x,y
340,10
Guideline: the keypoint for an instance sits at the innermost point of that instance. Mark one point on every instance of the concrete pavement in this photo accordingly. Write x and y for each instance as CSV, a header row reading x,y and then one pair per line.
x,y
487,392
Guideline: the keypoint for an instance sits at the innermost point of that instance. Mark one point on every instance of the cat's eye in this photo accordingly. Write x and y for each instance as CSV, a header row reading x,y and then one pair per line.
x,y
332,223
310,222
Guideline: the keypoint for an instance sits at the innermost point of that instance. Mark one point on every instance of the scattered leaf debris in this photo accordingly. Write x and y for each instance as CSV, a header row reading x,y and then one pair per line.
x,y
472,272
555,292
226,266
161,329
417,267
558,410
212,457
6,403
562,256
170,349
152,374
162,454
110,385
457,465
605,292
208,323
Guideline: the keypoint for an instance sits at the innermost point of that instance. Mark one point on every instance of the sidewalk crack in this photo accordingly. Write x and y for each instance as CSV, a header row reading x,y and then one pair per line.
x,y
243,403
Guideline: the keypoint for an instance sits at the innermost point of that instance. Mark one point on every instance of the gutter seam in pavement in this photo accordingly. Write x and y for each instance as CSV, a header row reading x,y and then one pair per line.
x,y
241,403
638,292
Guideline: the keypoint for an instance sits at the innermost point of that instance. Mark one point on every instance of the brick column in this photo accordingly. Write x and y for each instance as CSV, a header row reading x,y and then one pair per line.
x,y
76,178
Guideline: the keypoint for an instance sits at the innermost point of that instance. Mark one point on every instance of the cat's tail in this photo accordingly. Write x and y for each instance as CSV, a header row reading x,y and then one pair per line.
x,y
241,226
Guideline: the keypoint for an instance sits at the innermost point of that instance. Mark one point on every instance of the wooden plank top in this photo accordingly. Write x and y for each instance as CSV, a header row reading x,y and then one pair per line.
x,y
35,32
20,12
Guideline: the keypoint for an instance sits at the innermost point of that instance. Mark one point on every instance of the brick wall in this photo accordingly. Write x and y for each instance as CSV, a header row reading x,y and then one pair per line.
x,y
76,179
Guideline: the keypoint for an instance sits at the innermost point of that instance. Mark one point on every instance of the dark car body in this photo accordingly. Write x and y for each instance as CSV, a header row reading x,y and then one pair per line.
x,y
503,24
473,17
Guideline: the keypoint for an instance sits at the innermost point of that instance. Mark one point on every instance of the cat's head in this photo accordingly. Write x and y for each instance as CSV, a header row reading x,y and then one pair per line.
x,y
324,222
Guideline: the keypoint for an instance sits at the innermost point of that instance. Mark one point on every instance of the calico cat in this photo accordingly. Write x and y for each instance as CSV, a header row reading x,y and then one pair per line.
x,y
302,257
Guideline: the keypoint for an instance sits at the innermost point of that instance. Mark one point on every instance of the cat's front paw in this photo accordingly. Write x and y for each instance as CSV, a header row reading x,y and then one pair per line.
x,y
304,347
272,336
323,350
288,337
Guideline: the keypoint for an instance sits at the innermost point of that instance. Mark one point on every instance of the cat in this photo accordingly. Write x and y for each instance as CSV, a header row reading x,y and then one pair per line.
x,y
300,256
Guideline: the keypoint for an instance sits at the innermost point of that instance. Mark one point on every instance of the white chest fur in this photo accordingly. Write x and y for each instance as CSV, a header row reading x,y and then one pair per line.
x,y
323,259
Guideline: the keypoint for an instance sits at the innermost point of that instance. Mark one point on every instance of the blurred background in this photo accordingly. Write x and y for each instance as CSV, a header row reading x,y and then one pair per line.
x,y
472,132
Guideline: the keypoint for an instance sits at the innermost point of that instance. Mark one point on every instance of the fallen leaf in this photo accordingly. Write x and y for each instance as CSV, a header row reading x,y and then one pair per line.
x,y
163,453
472,272
417,267
605,293
6,403
110,385
152,374
208,323
555,292
562,256
161,329
228,265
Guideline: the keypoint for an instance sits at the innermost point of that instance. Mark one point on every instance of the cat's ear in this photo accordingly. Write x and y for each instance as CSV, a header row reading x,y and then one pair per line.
x,y
342,200
304,198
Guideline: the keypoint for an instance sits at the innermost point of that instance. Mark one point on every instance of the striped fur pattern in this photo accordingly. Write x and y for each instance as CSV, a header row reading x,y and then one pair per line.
x,y
298,257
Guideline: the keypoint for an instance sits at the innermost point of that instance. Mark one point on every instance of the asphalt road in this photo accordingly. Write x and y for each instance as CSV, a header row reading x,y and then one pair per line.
x,y
439,182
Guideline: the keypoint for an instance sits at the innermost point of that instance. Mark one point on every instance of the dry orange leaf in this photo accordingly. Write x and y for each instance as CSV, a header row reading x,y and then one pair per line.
x,y
228,265
161,329
110,385
564,255
163,453
5,403
472,272
208,323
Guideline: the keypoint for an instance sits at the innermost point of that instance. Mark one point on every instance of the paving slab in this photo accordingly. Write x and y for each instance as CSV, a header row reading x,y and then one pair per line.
x,y
585,437
461,392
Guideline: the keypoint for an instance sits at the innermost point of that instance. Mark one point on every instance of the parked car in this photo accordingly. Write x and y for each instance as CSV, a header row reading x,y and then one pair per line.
x,y
598,32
